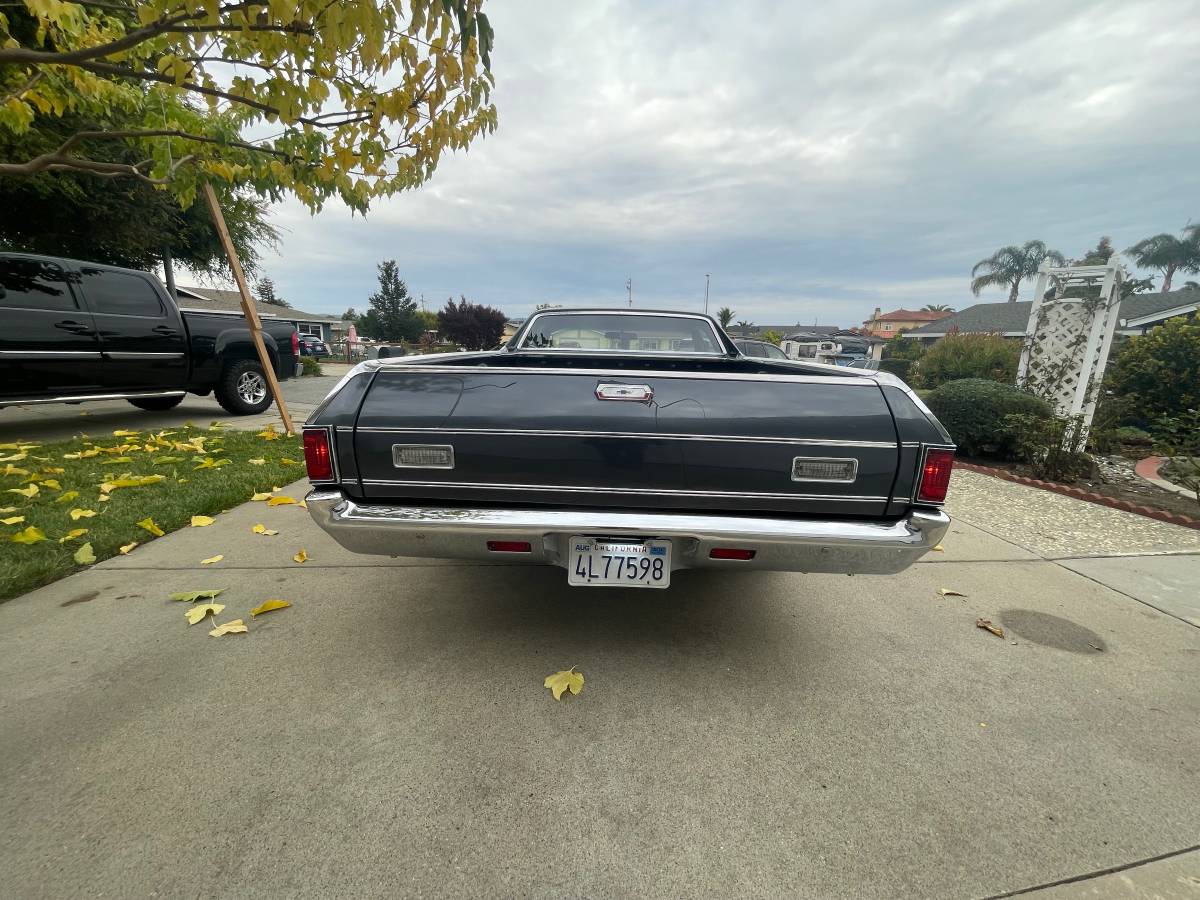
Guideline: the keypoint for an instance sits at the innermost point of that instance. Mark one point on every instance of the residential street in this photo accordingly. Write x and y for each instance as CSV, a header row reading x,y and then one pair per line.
x,y
738,735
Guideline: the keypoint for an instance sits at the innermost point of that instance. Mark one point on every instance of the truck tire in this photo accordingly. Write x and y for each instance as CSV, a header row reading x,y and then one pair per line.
x,y
156,404
243,388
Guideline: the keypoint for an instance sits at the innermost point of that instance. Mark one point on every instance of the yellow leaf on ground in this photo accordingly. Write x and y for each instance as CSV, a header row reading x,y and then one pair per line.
x,y
237,626
199,612
939,549
30,535
10,469
77,514
72,534
947,592
123,433
570,680
66,496
31,491
212,559
268,434
281,500
53,470
202,521
268,605
12,520
17,457
166,460
264,495
117,461
7,509
302,556
131,481
288,462
125,548
257,462
149,525
193,596
986,625
84,555
260,528
303,504
52,483
103,498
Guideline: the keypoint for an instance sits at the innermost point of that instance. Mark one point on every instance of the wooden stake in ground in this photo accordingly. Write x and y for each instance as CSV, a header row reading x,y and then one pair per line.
x,y
248,307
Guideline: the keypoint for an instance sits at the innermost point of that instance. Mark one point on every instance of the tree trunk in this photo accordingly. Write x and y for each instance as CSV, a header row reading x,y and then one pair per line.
x,y
1168,274
1014,290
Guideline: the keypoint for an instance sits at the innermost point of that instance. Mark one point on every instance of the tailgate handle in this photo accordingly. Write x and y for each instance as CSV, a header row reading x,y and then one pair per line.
x,y
638,393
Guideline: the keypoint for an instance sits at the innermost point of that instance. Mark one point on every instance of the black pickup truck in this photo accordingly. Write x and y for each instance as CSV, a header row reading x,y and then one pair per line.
x,y
74,331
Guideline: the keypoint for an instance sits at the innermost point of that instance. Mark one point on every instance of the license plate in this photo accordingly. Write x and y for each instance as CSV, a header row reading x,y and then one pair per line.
x,y
594,562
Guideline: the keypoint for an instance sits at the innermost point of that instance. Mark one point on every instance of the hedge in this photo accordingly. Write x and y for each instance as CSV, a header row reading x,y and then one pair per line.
x,y
973,411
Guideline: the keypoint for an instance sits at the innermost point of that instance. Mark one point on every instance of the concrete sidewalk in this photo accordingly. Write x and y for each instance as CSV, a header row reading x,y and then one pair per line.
x,y
756,734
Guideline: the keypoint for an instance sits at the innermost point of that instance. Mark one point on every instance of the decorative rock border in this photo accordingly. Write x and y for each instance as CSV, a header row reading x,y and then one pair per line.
x,y
1080,494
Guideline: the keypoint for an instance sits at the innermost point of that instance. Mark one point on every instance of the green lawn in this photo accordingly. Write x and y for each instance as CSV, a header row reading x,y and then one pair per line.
x,y
187,472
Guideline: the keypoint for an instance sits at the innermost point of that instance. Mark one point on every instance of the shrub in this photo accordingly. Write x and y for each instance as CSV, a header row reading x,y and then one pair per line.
x,y
1039,441
901,347
898,367
959,356
1131,436
1161,369
309,366
1178,434
973,411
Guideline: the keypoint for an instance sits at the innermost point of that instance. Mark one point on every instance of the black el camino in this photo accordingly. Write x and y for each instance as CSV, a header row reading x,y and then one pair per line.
x,y
623,445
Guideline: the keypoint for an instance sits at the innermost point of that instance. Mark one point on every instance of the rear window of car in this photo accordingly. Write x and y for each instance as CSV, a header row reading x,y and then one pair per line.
x,y
118,293
33,284
607,332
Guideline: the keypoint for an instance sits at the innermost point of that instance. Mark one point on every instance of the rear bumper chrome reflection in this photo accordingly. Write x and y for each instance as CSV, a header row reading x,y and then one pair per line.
x,y
780,544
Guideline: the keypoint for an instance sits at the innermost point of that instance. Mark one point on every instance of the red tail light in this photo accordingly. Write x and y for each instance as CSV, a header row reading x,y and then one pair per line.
x,y
318,455
509,546
295,343
730,553
935,475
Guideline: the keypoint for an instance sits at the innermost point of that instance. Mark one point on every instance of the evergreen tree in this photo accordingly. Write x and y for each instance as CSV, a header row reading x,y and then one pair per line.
x,y
393,311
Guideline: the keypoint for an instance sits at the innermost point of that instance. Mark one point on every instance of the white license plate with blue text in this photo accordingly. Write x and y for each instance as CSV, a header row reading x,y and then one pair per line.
x,y
594,562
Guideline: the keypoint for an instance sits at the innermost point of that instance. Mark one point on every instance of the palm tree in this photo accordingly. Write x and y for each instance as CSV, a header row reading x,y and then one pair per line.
x,y
1009,266
743,326
1169,254
725,316
937,307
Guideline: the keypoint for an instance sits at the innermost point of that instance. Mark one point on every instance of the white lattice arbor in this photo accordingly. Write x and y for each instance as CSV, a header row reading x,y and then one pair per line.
x,y
1068,338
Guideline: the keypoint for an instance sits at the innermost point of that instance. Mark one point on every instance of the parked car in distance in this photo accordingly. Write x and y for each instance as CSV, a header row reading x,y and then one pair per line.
x,y
311,345
626,444
762,349
77,331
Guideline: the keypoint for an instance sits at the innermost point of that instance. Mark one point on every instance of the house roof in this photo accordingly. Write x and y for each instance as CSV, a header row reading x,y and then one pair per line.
x,y
911,315
231,301
1012,318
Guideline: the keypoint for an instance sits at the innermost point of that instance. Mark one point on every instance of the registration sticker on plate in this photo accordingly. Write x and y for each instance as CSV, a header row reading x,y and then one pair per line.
x,y
596,562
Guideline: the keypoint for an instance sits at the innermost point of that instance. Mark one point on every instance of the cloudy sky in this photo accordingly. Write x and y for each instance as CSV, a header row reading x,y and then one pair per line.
x,y
817,160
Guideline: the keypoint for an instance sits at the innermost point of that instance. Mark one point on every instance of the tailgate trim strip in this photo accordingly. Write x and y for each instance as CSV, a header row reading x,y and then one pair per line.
x,y
578,489
639,435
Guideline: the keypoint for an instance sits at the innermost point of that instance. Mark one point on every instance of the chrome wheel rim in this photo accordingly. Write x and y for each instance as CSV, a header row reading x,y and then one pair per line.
x,y
252,388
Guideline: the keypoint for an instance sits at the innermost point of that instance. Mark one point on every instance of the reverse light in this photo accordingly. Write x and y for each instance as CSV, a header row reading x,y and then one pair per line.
x,y
318,455
510,546
731,553
935,475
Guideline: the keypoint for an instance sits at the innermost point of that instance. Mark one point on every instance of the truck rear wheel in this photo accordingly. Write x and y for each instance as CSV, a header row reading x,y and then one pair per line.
x,y
156,404
243,388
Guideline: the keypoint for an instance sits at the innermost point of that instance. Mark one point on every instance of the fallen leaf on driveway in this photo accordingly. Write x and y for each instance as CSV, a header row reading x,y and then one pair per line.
x,y
264,495
149,525
302,556
125,548
84,555
260,528
72,534
939,549
202,521
237,626
268,605
281,500
12,520
986,625
30,535
212,559
947,592
193,596
570,680
198,613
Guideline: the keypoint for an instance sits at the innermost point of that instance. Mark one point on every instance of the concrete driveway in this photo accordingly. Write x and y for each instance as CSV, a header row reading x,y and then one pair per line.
x,y
770,735
59,421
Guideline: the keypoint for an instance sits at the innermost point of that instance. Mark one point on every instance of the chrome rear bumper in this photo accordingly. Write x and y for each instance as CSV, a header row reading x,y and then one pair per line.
x,y
797,545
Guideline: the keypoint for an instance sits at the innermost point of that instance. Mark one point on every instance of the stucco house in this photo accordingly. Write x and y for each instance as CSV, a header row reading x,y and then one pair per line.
x,y
887,325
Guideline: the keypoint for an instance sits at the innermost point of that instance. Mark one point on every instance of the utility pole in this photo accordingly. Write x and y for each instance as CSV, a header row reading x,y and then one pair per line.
x,y
706,277
629,287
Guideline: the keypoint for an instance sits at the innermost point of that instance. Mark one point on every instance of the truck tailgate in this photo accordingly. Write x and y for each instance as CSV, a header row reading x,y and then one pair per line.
x,y
631,439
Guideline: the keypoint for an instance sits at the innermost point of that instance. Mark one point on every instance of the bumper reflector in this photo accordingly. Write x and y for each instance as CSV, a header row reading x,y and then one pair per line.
x,y
509,546
730,553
